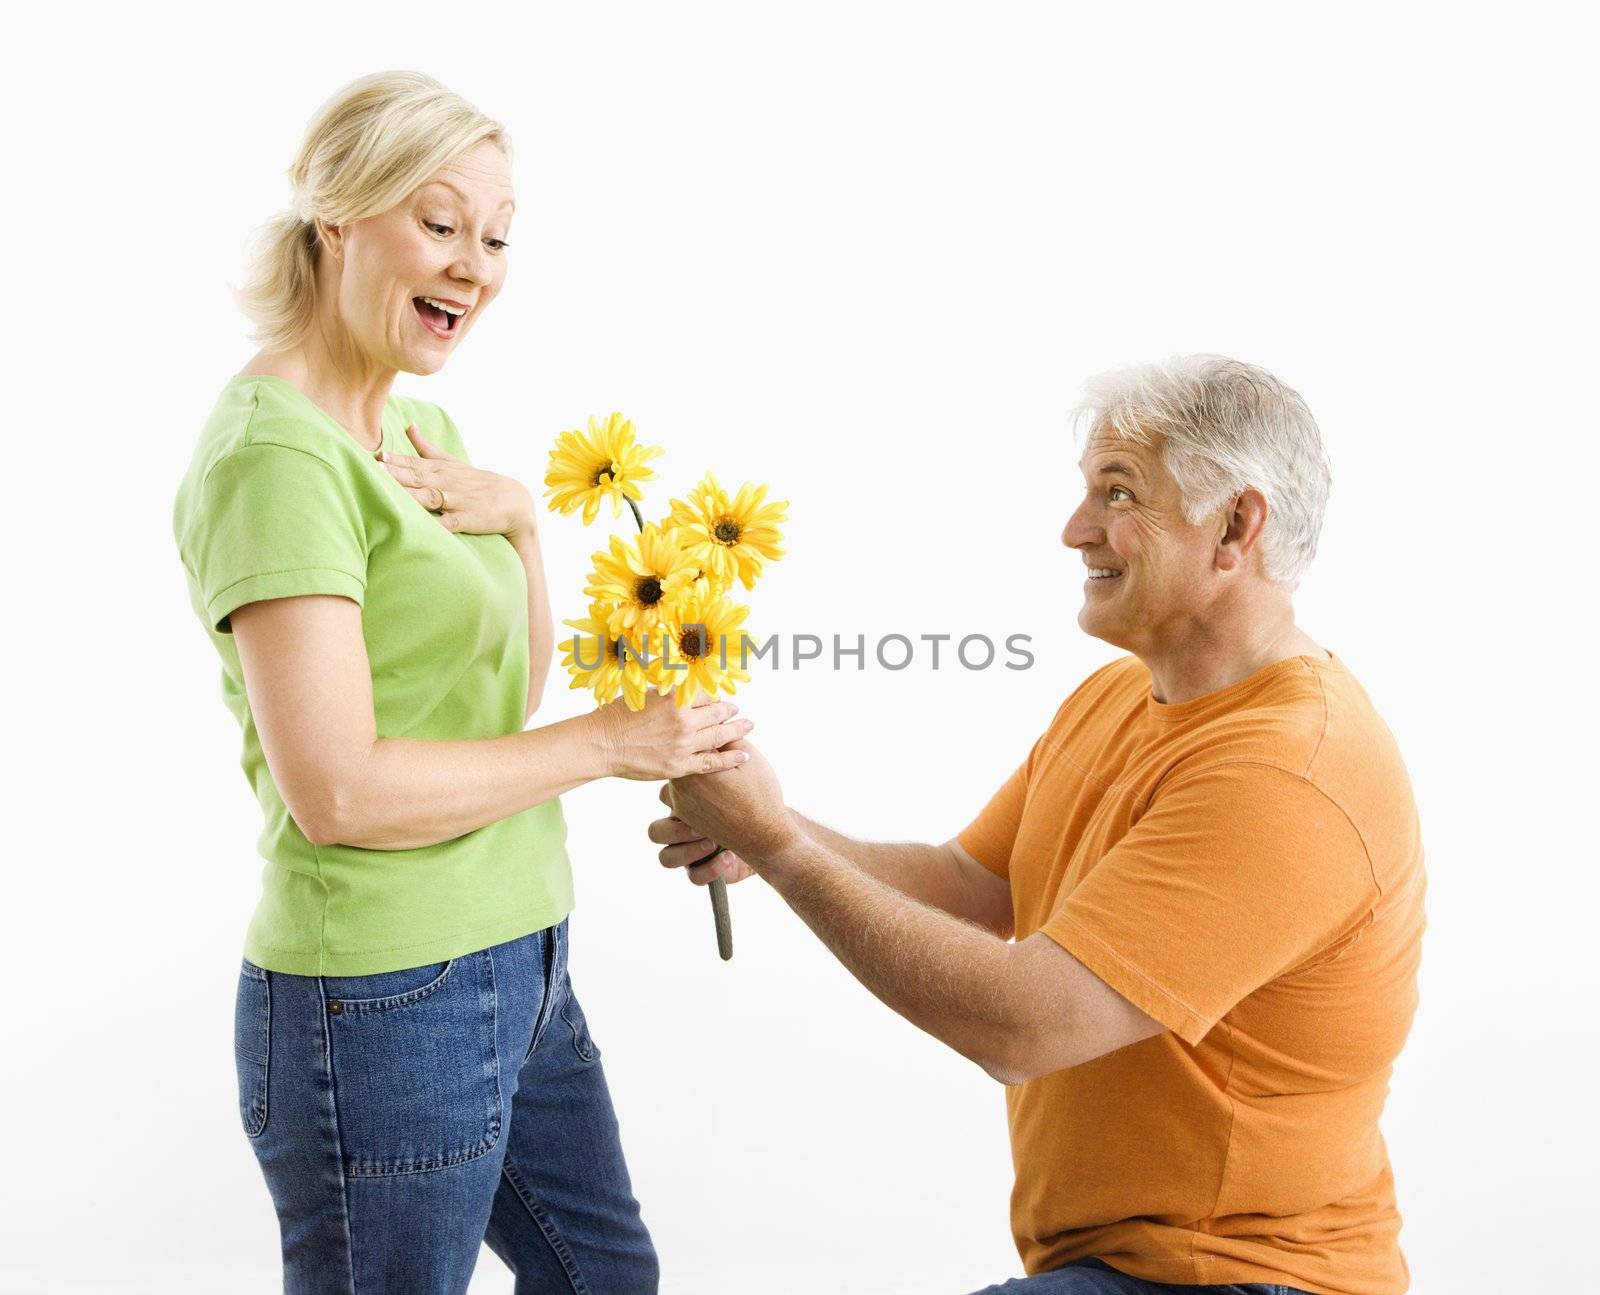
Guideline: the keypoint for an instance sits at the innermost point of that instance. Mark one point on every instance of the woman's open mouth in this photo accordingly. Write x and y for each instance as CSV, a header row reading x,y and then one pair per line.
x,y
437,317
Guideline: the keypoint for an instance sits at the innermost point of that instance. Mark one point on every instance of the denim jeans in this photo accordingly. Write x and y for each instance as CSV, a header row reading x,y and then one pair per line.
x,y
1096,1277
402,1119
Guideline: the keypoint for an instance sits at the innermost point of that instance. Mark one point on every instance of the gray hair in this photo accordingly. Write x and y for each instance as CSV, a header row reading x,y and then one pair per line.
x,y
1223,426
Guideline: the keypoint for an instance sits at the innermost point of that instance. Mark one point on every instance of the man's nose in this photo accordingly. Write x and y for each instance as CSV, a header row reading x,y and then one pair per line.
x,y
1081,528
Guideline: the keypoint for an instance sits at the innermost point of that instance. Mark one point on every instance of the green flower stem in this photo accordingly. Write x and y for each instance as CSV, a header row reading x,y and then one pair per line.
x,y
719,888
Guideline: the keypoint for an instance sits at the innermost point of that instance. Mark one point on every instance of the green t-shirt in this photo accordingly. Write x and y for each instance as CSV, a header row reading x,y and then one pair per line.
x,y
281,500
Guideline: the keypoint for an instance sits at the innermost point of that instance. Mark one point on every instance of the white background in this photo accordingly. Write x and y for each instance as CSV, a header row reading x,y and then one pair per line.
x,y
866,253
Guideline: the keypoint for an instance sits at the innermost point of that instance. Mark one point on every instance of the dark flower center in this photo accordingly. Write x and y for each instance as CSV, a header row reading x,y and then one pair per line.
x,y
647,593
604,470
692,642
726,531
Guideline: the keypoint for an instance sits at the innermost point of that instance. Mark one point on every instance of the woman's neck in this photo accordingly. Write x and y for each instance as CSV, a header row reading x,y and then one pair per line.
x,y
349,388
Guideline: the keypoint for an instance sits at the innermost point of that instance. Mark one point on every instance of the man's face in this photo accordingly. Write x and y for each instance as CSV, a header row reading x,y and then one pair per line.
x,y
1151,573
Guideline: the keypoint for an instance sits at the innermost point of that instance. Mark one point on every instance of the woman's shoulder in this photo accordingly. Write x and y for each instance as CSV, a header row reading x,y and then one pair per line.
x,y
257,422
265,409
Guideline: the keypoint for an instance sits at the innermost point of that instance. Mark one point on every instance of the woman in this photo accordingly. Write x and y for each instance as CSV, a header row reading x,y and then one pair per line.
x,y
415,1073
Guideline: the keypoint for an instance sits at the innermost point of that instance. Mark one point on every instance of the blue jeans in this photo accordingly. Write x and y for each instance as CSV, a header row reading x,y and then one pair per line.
x,y
1097,1277
402,1119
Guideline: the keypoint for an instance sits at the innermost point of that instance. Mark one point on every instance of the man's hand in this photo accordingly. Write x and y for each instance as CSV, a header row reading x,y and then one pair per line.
x,y
684,847
740,808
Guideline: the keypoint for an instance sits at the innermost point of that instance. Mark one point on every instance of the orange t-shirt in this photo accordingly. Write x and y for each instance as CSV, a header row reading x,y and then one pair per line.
x,y
1246,868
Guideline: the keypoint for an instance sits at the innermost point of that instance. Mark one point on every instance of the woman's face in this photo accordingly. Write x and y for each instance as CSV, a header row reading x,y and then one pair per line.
x,y
445,244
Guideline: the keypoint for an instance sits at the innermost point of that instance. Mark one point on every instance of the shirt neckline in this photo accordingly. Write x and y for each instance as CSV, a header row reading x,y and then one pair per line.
x,y
385,443
1222,698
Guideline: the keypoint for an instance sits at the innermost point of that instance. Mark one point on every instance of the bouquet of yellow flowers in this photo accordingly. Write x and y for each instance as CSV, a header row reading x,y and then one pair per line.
x,y
660,612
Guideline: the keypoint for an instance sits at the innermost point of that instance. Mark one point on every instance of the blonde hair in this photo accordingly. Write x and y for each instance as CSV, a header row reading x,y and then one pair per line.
x,y
366,148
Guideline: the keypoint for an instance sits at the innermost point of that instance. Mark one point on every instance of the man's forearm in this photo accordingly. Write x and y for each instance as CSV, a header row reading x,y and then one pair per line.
x,y
943,974
927,873
541,624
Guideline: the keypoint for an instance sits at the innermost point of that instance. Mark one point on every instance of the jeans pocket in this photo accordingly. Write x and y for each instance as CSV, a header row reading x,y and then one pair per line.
x,y
573,1015
252,1045
416,1070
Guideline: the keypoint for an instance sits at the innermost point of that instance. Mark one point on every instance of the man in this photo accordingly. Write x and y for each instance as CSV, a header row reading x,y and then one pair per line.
x,y
1209,865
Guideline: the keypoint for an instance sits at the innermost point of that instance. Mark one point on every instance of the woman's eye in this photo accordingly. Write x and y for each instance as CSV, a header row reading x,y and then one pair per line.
x,y
441,230
499,244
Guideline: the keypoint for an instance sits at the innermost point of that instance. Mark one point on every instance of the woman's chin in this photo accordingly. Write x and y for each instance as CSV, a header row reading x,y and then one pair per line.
x,y
423,364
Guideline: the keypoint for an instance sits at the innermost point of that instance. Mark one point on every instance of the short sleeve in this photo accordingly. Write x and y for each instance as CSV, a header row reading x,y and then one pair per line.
x,y
1233,876
990,836
272,522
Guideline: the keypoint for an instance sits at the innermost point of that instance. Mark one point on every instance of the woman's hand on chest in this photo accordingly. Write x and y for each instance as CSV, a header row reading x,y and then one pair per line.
x,y
462,497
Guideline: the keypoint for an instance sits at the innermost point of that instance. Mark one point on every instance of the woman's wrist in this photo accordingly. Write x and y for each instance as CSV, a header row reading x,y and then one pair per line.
x,y
594,736
523,535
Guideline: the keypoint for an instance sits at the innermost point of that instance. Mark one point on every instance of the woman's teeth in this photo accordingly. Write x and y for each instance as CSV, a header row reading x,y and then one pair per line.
x,y
1102,573
438,318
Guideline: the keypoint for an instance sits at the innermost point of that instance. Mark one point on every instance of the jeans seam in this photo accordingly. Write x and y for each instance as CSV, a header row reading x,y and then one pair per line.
x,y
547,942
258,1126
584,1054
331,1113
547,1228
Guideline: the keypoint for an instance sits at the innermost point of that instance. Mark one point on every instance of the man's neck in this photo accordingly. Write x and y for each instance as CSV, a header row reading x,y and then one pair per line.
x,y
1207,656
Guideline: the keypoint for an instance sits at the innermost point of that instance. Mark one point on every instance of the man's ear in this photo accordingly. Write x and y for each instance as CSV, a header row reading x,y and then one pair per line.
x,y
1242,523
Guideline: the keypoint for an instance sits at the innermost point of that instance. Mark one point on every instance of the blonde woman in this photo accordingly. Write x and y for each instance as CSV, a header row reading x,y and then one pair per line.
x,y
415,1073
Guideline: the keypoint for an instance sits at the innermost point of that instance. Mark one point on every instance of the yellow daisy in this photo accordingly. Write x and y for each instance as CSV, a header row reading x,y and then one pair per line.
x,y
588,468
701,647
729,538
595,658
641,579
706,584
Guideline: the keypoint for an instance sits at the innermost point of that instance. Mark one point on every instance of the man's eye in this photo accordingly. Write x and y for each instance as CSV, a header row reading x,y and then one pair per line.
x,y
1122,490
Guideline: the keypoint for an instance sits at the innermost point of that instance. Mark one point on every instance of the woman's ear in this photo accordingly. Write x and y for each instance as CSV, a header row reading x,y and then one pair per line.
x,y
331,237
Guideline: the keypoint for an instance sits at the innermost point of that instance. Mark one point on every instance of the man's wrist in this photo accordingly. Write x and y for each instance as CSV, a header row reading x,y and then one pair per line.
x,y
787,859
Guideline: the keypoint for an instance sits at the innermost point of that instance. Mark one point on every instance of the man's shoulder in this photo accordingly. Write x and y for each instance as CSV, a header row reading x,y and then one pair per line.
x,y
1124,680
1309,717
1319,725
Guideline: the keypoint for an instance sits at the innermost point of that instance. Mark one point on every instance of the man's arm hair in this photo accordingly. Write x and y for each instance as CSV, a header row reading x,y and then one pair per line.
x,y
944,876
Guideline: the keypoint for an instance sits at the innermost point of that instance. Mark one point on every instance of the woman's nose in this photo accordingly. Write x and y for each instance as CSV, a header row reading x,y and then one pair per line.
x,y
473,265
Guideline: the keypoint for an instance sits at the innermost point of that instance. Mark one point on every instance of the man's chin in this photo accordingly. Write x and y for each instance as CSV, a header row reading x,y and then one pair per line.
x,y
1096,624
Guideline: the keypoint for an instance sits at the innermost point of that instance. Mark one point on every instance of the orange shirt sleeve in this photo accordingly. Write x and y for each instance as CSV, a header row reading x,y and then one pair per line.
x,y
990,836
1235,874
